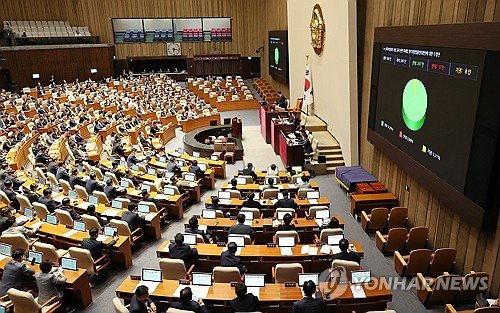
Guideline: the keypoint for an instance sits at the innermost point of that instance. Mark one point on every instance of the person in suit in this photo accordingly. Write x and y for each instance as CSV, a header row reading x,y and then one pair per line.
x,y
132,218
15,273
92,184
118,149
62,173
193,229
287,223
31,193
182,251
48,283
309,303
244,302
282,101
75,180
234,184
229,258
345,254
95,246
186,302
42,157
241,228
250,202
46,199
11,194
91,212
132,159
6,213
141,303
286,202
195,169
66,207
248,171
110,190
172,166
52,167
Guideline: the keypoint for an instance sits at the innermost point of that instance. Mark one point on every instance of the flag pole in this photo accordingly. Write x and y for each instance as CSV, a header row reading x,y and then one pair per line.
x,y
307,62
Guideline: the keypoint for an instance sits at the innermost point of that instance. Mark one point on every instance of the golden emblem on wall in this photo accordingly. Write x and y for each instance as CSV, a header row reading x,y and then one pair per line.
x,y
318,28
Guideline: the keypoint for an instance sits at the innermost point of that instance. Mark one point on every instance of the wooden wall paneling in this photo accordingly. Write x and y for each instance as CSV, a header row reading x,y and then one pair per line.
x,y
26,10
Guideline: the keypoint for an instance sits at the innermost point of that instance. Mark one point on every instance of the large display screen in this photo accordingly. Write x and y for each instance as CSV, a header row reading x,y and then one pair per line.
x,y
426,105
278,55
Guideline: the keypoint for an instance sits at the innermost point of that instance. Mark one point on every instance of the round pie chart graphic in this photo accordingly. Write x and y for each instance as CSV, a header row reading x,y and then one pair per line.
x,y
276,56
414,104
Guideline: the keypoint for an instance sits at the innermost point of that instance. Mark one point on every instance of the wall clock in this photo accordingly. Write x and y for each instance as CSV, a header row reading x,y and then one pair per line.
x,y
173,48
318,28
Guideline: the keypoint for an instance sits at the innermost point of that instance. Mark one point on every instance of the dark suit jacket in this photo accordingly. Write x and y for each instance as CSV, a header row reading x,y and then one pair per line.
x,y
14,275
62,174
92,185
95,246
347,256
74,215
183,252
52,168
247,303
286,203
133,219
110,192
193,306
196,170
251,204
309,304
287,227
42,158
32,196
229,259
241,229
249,172
137,306
75,180
49,203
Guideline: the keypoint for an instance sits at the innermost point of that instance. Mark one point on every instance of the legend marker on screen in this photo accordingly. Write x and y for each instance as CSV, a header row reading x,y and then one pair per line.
x,y
424,149
400,134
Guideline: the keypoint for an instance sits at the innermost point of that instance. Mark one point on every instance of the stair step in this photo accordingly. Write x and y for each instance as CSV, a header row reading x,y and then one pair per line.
x,y
330,151
328,147
334,157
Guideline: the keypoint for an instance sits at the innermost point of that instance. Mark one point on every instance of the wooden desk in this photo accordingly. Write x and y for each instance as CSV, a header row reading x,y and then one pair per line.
x,y
173,204
55,234
261,175
291,188
219,166
273,297
277,126
260,258
265,116
77,283
203,121
367,202
264,229
230,105
291,154
268,206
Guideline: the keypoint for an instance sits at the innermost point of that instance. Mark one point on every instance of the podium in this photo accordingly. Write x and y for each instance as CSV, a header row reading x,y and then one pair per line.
x,y
291,154
277,126
236,128
265,116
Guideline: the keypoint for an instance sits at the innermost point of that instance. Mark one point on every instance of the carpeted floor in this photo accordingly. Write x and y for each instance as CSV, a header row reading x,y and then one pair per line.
x,y
261,155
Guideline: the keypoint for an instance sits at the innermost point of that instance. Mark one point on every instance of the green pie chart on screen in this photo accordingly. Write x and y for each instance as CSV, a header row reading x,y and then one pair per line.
x,y
414,104
276,56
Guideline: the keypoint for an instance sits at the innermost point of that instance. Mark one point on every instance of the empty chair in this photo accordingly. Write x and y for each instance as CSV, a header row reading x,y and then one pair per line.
x,y
348,265
398,217
323,235
248,178
256,212
442,260
287,272
417,238
66,187
395,240
270,193
287,210
64,217
470,288
24,302
174,269
119,306
124,230
85,260
218,150
113,178
314,208
286,233
23,202
91,222
101,197
223,274
41,210
52,179
417,262
152,207
443,289
230,149
235,194
376,220
248,240
302,193
81,192
450,309
17,241
49,252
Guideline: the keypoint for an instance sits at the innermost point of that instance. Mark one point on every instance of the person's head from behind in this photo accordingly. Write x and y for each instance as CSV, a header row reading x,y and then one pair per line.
x,y
142,293
33,187
309,288
65,201
273,167
193,222
18,254
334,222
179,239
285,194
232,247
250,166
240,289
234,182
132,206
186,295
287,219
194,163
6,212
305,179
250,196
92,175
343,245
91,209
109,182
93,232
8,183
47,192
215,200
241,218
270,181
11,221
46,266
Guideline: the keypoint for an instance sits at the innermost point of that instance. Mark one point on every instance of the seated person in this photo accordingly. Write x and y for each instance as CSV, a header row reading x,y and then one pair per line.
x,y
305,183
195,169
172,166
180,250
110,190
186,302
12,228
95,246
309,303
229,258
272,170
141,303
91,212
270,184
241,228
287,223
250,202
92,184
248,171
31,193
244,302
193,229
132,218
215,204
234,184
132,159
46,199
15,273
49,285
345,253
75,180
286,202
66,207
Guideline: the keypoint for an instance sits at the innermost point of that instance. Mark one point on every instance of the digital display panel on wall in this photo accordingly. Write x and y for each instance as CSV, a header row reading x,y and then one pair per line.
x,y
278,55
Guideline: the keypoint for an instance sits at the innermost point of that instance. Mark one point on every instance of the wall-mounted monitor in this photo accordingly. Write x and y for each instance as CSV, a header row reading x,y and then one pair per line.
x,y
278,55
